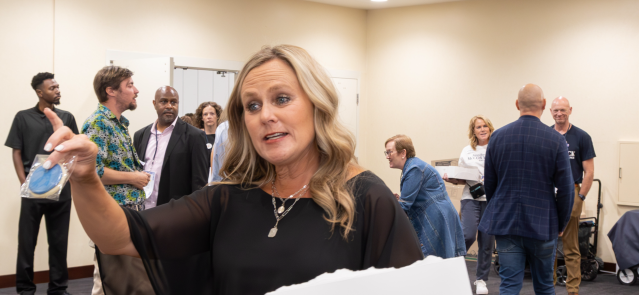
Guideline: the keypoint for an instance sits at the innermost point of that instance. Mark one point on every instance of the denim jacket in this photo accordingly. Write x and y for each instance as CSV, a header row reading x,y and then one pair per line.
x,y
426,202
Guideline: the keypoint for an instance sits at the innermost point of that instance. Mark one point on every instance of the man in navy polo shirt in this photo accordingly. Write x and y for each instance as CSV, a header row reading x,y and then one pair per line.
x,y
525,162
582,163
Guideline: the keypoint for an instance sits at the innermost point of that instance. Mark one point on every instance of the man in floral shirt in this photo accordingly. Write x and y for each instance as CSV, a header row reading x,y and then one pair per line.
x,y
117,163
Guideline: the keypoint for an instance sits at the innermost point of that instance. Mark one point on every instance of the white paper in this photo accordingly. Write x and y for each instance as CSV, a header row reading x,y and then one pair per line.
x,y
459,172
432,275
148,189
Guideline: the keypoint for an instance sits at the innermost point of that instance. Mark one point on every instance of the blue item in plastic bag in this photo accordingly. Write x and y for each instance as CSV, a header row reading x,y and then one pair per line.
x,y
44,180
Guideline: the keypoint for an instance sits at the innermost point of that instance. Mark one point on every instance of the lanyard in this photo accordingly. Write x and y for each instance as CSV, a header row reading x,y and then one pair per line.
x,y
156,145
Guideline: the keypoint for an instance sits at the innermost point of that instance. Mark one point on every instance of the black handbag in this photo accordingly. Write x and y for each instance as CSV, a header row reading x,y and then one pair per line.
x,y
477,190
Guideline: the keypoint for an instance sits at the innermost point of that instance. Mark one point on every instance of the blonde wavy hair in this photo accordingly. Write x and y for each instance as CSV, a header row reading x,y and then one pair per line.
x,y
471,130
336,145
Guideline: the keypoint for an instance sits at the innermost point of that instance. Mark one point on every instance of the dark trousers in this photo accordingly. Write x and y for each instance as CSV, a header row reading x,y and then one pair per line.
x,y
56,216
471,213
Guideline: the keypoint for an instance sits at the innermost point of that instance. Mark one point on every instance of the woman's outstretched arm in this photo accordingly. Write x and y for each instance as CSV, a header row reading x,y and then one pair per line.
x,y
101,217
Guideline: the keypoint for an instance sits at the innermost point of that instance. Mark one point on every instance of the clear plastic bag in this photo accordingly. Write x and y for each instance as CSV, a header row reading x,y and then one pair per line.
x,y
47,183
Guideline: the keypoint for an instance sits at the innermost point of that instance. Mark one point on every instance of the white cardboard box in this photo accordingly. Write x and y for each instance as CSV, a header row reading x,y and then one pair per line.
x,y
432,275
459,172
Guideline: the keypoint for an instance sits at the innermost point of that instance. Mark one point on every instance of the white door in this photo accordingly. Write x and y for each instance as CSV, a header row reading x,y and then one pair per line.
x,y
348,101
149,74
197,86
222,87
204,86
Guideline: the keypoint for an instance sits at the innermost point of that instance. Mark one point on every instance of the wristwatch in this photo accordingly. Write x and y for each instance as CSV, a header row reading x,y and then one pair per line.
x,y
582,197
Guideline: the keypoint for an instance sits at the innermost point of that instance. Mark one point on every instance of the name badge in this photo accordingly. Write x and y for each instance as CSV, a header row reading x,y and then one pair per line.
x,y
148,189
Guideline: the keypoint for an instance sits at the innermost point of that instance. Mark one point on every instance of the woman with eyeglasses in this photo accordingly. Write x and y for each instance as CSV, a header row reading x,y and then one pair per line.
x,y
425,201
473,202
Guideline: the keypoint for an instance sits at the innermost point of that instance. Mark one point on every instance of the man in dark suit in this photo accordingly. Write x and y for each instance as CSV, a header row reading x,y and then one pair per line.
x,y
172,150
525,162
175,153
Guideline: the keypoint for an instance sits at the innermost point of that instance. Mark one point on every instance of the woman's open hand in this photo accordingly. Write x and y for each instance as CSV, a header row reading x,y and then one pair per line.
x,y
65,143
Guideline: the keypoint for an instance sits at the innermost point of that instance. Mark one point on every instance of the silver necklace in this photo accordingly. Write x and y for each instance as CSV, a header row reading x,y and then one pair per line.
x,y
276,211
281,209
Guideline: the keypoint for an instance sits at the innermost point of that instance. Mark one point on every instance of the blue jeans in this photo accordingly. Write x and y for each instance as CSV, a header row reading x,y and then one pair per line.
x,y
471,213
514,251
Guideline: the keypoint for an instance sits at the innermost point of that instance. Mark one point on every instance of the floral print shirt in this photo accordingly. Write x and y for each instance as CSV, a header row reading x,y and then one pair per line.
x,y
115,151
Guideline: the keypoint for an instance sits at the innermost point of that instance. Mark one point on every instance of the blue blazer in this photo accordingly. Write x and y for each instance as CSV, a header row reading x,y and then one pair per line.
x,y
525,161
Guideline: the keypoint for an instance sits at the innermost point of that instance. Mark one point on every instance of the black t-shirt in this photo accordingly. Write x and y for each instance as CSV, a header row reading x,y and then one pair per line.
x,y
210,139
29,133
580,149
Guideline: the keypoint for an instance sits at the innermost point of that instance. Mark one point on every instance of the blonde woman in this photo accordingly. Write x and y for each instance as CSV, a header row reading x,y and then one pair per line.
x,y
473,203
293,205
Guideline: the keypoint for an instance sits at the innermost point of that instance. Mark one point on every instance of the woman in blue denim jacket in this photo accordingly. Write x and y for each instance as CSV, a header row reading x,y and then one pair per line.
x,y
425,201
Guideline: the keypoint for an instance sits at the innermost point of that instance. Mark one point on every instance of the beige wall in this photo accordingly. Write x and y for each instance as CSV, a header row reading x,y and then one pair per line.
x,y
428,69
432,67
21,57
84,30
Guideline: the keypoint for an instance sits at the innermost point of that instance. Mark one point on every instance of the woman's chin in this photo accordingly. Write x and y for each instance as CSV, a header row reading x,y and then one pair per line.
x,y
278,158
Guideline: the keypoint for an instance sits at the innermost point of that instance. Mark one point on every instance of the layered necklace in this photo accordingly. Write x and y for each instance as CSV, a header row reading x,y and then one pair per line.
x,y
281,211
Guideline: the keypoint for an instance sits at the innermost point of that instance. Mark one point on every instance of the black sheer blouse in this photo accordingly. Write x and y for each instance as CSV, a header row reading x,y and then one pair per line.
x,y
233,224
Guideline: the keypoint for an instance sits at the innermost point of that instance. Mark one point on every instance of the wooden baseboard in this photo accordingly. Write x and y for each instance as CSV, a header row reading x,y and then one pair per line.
x,y
39,277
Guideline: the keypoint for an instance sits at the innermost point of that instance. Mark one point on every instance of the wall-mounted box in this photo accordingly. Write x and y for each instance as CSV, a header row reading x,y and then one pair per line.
x,y
628,173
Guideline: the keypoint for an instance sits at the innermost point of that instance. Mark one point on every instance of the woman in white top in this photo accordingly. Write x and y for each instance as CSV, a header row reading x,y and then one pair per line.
x,y
473,201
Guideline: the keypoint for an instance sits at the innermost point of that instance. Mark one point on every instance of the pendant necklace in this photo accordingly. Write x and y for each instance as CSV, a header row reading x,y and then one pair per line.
x,y
281,211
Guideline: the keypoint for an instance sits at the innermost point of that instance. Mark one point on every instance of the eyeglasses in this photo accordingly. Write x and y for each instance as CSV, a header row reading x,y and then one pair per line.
x,y
388,153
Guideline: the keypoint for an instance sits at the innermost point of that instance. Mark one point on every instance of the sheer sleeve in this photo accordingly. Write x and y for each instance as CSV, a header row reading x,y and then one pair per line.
x,y
177,235
390,240
179,228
